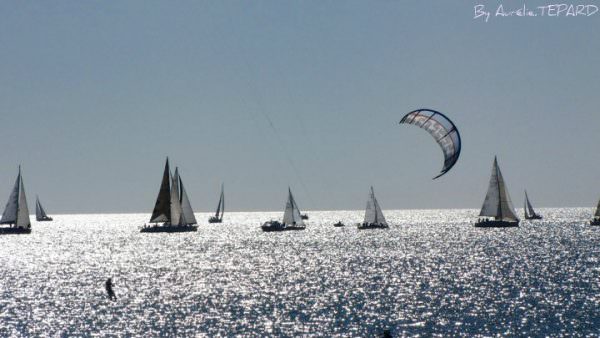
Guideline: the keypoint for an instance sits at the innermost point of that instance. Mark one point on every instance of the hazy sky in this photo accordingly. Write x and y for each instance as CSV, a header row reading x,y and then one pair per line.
x,y
95,94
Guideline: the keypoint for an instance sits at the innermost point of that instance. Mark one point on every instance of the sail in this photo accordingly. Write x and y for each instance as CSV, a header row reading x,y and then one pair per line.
x,y
186,207
529,212
23,211
162,209
291,214
221,205
597,214
40,214
9,216
497,202
373,213
176,212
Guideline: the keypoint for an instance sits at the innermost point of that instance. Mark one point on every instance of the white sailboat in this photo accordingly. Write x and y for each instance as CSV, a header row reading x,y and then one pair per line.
x,y
172,207
529,212
218,217
374,218
40,213
16,212
497,209
292,220
596,219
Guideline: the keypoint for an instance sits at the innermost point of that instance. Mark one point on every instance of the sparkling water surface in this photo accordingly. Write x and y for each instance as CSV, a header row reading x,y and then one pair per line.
x,y
431,273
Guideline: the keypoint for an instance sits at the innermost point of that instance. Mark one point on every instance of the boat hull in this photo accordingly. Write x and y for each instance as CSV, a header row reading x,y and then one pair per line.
x,y
534,217
496,224
339,225
46,219
276,226
363,226
215,220
169,228
14,231
595,222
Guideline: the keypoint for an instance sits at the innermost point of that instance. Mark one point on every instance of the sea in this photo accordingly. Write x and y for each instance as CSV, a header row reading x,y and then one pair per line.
x,y
430,274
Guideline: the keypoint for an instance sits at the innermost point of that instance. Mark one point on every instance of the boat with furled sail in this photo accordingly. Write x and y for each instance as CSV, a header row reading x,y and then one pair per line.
x,y
40,213
497,209
172,208
292,220
16,212
218,217
529,212
596,219
374,218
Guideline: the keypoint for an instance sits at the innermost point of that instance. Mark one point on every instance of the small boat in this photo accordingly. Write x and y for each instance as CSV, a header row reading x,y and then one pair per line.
x,y
338,224
529,212
16,212
304,216
374,218
291,218
40,214
218,217
172,207
596,219
497,209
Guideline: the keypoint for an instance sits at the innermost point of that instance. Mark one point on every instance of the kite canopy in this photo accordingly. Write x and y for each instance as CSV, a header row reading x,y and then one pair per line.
x,y
443,131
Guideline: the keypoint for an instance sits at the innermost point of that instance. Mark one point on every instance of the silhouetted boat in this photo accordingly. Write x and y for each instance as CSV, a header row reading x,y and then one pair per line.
x,y
374,218
529,212
172,207
338,224
497,204
304,216
291,218
596,219
40,213
16,212
218,217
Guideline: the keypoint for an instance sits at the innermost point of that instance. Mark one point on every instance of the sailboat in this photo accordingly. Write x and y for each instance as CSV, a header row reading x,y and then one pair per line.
x,y
374,218
529,212
172,207
291,217
497,204
16,212
218,217
596,219
40,214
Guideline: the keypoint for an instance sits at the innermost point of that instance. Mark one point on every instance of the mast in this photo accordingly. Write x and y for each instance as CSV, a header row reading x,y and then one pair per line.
x,y
162,209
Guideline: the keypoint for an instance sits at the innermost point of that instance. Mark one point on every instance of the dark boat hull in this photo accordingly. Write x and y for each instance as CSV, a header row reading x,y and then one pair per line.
x,y
167,228
14,231
339,225
534,217
595,222
46,219
496,224
305,216
215,220
371,226
273,227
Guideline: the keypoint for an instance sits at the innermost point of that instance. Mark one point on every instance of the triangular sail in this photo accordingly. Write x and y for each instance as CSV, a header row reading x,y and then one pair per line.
x,y
291,215
9,216
529,212
497,202
40,213
373,213
597,214
176,212
221,206
23,211
162,207
186,207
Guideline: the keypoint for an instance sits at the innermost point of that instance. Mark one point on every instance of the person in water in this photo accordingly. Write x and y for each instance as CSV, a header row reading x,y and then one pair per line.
x,y
109,290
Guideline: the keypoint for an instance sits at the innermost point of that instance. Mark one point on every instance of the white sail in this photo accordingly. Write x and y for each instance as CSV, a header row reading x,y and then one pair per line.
x,y
186,207
373,213
176,212
9,216
497,202
40,213
23,211
291,215
529,212
597,214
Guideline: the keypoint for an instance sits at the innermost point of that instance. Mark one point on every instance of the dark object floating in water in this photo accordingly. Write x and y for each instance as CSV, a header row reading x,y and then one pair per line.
x,y
218,217
16,212
40,214
291,218
497,204
443,131
172,206
528,209
374,218
339,224
304,216
109,289
596,219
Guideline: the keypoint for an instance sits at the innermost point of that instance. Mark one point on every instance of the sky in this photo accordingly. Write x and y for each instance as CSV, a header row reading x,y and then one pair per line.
x,y
262,95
